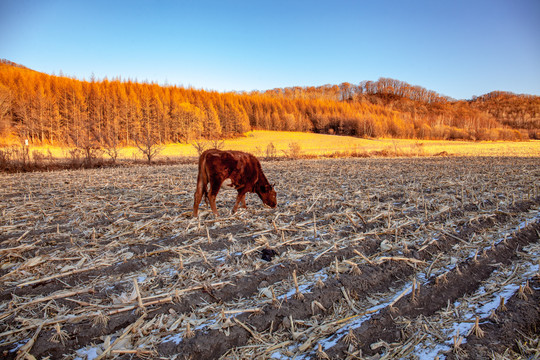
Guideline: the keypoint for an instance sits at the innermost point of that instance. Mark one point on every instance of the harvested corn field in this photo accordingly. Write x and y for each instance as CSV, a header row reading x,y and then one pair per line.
x,y
363,258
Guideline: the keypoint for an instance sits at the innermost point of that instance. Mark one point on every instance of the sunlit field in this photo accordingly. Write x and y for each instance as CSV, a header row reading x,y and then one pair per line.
x,y
320,145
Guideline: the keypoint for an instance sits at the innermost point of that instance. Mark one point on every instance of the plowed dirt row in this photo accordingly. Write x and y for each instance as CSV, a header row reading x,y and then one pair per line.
x,y
435,294
508,331
114,254
373,279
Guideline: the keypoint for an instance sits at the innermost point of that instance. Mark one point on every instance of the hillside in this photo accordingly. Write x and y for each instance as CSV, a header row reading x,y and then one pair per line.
x,y
516,111
423,107
48,109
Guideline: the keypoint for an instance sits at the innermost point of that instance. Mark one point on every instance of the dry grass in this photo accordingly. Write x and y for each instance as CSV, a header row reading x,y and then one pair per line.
x,y
319,145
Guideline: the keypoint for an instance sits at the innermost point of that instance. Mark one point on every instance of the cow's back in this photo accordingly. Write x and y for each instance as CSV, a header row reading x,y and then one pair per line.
x,y
242,168
218,163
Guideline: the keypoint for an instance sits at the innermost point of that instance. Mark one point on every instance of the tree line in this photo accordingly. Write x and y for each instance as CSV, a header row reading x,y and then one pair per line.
x,y
59,110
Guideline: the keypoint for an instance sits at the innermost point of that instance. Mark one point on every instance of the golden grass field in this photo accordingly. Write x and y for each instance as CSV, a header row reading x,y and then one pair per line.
x,y
311,144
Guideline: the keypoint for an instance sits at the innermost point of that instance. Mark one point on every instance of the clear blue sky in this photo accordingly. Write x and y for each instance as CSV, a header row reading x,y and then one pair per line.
x,y
457,48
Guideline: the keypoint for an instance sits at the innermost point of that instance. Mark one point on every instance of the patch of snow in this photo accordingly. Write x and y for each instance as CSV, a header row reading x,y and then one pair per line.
x,y
18,345
176,338
307,287
171,272
87,353
301,288
277,355
209,323
223,257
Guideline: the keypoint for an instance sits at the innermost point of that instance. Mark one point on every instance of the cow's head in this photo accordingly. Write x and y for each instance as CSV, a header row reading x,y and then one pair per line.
x,y
268,195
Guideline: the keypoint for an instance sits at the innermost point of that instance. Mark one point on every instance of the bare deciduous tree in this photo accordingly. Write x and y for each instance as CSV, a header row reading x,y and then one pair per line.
x,y
111,144
5,106
88,145
217,144
200,146
147,141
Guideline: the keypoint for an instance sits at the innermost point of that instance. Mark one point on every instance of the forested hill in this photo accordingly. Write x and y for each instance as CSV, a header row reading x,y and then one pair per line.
x,y
515,111
62,110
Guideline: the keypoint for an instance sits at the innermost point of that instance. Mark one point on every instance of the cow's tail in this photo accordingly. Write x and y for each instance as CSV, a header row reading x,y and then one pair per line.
x,y
202,178
201,187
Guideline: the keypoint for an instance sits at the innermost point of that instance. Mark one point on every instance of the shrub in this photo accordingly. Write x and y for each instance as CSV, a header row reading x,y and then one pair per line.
x,y
271,151
295,150
76,157
534,134
6,157
200,146
454,133
418,149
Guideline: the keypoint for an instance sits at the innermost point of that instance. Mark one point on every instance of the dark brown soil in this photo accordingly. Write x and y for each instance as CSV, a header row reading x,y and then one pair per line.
x,y
519,322
472,210
434,297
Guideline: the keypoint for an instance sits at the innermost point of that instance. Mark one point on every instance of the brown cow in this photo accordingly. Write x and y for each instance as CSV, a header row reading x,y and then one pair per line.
x,y
231,170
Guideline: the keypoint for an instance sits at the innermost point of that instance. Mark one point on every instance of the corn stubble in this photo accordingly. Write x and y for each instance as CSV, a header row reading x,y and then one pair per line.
x,y
128,236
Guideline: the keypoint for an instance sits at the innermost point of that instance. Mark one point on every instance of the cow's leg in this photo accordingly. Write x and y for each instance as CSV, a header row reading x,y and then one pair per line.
x,y
205,195
199,192
212,199
214,190
241,198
